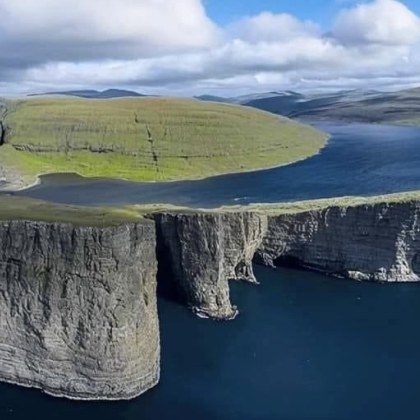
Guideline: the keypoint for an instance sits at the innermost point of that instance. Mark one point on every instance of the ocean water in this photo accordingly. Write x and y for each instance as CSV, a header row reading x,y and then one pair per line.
x,y
305,346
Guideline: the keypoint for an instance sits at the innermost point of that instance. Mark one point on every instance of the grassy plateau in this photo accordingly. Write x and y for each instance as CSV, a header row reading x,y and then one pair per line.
x,y
21,208
147,139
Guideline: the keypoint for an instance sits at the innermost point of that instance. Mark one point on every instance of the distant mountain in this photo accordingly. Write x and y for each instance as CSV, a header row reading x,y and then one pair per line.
x,y
350,105
94,94
246,99
401,106
211,98
283,103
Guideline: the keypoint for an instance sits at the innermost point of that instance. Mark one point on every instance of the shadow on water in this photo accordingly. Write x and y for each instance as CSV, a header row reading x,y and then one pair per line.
x,y
305,346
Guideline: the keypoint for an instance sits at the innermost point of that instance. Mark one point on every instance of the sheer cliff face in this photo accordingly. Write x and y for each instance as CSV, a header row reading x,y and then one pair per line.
x,y
199,253
78,313
369,242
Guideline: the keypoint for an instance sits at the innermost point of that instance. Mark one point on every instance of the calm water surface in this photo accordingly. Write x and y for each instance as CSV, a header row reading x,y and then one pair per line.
x,y
361,159
305,346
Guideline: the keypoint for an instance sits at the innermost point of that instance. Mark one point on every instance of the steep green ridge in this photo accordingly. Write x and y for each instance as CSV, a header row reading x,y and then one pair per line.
x,y
149,139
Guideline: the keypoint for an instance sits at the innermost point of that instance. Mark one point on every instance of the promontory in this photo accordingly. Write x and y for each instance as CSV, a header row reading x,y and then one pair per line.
x,y
78,286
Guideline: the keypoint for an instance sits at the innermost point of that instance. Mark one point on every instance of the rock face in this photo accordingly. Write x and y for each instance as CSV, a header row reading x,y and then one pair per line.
x,y
369,242
78,314
201,252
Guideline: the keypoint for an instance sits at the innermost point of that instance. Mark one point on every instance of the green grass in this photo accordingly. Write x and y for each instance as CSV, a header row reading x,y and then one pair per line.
x,y
314,205
148,139
20,208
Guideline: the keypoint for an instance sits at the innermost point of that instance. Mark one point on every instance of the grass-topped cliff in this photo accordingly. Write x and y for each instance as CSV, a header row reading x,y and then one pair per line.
x,y
22,208
19,208
147,139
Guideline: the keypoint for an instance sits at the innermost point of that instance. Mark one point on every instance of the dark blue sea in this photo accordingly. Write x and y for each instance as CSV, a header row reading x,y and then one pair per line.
x,y
305,346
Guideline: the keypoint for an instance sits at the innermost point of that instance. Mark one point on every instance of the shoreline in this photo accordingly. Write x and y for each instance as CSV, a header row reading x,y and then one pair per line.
x,y
18,185
26,186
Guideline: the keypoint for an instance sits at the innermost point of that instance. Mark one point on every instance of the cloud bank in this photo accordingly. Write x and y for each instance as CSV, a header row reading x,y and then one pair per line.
x,y
173,47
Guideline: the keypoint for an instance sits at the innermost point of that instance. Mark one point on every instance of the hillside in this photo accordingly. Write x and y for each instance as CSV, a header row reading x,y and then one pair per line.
x,y
94,94
364,106
146,139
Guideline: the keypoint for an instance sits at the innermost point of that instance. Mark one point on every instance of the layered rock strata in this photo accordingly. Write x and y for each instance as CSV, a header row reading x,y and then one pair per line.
x,y
201,252
378,242
78,314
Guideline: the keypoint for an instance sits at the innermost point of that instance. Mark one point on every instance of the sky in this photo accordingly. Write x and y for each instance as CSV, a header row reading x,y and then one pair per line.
x,y
218,47
321,11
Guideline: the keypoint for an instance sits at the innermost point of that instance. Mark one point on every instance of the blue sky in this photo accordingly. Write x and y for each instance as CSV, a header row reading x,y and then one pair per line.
x,y
320,11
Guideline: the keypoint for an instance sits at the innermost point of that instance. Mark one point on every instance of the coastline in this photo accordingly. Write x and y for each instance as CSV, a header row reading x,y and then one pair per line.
x,y
18,184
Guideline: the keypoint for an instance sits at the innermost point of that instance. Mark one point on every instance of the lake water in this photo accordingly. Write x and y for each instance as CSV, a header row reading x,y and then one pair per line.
x,y
360,159
304,346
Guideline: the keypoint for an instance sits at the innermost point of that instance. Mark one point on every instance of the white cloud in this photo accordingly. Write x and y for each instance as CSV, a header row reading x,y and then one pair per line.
x,y
272,27
386,22
158,46
144,25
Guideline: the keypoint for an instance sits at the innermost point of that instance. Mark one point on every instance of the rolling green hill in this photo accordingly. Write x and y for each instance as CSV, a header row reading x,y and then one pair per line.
x,y
147,139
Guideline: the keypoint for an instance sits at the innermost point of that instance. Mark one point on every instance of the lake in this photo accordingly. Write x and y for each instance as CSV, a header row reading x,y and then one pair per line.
x,y
305,346
360,159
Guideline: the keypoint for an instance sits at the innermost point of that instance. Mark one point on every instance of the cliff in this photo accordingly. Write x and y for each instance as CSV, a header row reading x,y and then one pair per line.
x,y
379,242
201,252
78,313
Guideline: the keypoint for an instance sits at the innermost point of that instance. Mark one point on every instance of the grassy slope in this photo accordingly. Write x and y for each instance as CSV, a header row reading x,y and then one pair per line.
x,y
19,208
149,139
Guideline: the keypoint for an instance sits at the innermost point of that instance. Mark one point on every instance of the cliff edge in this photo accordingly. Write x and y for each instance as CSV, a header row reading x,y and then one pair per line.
x,y
201,252
78,312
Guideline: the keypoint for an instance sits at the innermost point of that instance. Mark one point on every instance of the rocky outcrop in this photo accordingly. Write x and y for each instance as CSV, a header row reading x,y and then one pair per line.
x,y
379,242
78,313
200,252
